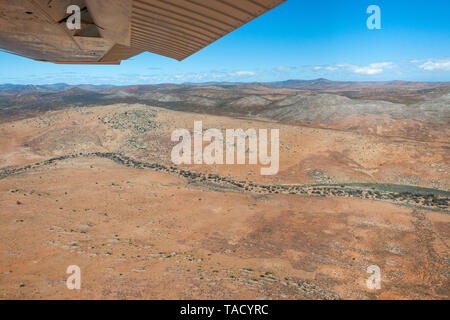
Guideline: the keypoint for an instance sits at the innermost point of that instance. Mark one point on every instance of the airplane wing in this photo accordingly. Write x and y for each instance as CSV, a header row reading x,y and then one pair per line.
x,y
115,30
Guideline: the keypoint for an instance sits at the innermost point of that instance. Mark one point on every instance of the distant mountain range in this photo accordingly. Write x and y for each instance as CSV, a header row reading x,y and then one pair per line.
x,y
317,84
57,87
321,101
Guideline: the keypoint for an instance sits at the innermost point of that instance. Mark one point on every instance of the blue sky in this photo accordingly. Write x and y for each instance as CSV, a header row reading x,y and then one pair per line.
x,y
300,39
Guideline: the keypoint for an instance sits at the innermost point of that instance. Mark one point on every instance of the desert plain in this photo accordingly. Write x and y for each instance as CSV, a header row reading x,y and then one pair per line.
x,y
86,179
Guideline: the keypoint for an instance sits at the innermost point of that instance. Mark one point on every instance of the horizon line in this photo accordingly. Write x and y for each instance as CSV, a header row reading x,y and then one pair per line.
x,y
221,82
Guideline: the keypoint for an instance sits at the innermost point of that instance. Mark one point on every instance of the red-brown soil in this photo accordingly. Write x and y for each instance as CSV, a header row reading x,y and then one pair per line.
x,y
143,234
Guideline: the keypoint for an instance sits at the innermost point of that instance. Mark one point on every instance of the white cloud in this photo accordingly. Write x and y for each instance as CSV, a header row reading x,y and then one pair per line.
x,y
327,68
435,65
239,75
190,76
331,68
243,73
371,69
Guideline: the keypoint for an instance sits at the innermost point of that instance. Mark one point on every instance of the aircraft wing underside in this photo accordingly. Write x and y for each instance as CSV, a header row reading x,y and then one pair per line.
x,y
115,30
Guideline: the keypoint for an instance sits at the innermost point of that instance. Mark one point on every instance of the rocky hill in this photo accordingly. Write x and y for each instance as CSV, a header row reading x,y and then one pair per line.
x,y
406,109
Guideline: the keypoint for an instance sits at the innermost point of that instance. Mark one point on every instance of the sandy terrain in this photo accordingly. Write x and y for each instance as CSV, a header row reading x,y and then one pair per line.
x,y
141,233
307,155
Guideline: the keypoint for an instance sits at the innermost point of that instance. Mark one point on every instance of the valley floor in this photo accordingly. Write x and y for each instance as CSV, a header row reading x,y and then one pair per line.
x,y
94,187
144,234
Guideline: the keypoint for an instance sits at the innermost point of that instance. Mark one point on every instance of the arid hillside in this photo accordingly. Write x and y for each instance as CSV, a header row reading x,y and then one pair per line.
x,y
412,110
307,155
361,182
